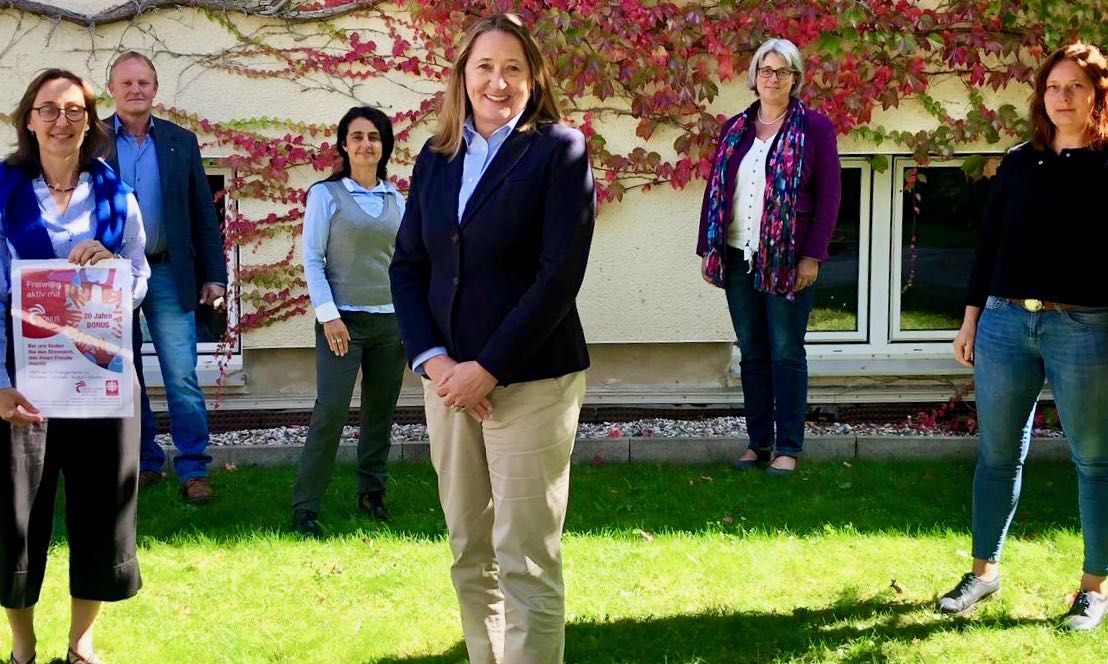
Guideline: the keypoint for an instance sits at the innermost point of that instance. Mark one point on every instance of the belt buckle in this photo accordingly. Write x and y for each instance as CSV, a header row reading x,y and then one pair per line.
x,y
1033,305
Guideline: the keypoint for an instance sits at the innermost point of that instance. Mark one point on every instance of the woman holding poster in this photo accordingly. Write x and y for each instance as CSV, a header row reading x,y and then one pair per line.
x,y
58,199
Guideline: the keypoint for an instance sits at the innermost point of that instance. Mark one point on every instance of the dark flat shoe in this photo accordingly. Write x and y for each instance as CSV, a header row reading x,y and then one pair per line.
x,y
782,472
760,461
13,660
306,523
373,504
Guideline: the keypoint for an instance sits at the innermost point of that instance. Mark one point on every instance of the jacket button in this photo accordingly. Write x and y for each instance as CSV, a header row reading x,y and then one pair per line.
x,y
454,238
456,281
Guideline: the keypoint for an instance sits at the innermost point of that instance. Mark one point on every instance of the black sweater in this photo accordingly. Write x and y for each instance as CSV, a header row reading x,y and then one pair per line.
x,y
1045,231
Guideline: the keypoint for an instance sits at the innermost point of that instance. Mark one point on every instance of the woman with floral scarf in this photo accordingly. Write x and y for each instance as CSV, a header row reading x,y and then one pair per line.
x,y
769,209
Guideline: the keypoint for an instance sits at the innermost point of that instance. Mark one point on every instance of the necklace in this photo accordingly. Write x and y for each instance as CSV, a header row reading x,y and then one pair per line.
x,y
60,190
770,124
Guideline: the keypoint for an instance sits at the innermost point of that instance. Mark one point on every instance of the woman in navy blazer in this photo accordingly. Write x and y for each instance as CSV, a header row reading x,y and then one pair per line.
x,y
489,258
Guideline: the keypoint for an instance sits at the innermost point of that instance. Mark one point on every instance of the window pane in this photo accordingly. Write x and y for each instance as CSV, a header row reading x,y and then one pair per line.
x,y
836,295
941,217
210,324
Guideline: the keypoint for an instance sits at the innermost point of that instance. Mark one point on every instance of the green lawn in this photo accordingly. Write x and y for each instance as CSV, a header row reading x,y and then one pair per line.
x,y
670,564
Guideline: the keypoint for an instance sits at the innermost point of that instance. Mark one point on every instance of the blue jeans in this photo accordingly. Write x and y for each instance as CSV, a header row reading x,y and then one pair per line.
x,y
1013,352
774,366
173,331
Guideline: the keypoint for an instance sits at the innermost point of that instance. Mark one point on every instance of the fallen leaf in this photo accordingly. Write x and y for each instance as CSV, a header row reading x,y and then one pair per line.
x,y
645,534
848,464
230,466
962,553
728,519
897,587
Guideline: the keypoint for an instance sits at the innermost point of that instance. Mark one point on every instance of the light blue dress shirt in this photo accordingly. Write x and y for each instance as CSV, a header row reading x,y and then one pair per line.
x,y
138,167
479,154
320,208
66,231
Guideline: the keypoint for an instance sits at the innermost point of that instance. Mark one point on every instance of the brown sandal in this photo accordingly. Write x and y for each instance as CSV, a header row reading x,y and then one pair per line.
x,y
13,660
73,657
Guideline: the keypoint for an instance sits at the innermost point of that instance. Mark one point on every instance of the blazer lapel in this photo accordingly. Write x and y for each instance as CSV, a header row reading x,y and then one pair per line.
x,y
166,151
452,171
510,153
113,154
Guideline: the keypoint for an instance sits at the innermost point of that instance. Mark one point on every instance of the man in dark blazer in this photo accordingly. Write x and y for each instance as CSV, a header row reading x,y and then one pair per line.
x,y
184,246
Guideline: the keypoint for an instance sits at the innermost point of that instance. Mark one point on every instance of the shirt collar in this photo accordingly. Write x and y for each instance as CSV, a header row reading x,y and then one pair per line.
x,y
121,128
352,186
496,137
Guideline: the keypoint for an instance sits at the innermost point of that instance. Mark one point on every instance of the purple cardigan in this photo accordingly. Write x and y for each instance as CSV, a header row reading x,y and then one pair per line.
x,y
817,203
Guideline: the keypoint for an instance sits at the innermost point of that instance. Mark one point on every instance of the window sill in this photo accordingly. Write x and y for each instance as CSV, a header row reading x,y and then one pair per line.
x,y
207,371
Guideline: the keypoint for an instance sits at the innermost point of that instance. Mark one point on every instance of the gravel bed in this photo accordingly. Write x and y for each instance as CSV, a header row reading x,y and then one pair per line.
x,y
718,427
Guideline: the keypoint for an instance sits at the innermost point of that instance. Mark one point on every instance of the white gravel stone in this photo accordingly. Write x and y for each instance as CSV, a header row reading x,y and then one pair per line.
x,y
716,427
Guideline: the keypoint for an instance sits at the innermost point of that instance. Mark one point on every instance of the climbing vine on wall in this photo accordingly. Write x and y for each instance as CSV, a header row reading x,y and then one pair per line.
x,y
656,64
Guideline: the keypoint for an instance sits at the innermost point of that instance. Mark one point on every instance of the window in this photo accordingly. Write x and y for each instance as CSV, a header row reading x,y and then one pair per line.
x,y
842,291
937,213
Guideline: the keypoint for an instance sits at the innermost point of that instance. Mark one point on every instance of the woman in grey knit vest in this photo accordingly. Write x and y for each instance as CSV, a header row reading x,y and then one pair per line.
x,y
350,226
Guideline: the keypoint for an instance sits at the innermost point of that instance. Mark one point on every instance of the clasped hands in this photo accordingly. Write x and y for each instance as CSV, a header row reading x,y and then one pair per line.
x,y
462,386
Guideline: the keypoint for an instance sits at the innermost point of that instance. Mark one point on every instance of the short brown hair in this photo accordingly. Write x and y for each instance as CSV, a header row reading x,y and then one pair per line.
x,y
132,55
542,106
26,156
1093,63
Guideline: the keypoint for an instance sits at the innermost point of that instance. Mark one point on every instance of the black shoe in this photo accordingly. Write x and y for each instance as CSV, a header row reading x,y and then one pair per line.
x,y
373,503
307,523
1087,611
969,591
761,460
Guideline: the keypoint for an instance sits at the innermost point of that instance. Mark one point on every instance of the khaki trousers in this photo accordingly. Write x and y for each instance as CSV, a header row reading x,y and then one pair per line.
x,y
503,485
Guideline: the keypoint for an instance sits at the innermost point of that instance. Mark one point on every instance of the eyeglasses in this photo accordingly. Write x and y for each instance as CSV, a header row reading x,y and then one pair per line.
x,y
51,113
780,74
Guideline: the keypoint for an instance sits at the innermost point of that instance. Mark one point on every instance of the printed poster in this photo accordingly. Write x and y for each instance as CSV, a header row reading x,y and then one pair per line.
x,y
72,328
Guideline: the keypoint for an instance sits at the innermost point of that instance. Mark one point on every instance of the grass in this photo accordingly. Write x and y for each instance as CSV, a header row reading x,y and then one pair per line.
x,y
664,564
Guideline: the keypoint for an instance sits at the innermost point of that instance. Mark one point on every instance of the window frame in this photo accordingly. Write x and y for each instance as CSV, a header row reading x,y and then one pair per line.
x,y
210,366
860,334
900,165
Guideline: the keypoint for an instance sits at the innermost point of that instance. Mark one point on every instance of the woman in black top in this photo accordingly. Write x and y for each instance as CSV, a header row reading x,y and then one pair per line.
x,y
1034,313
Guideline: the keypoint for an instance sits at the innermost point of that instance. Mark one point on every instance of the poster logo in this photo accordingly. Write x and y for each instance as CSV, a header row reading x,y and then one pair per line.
x,y
79,385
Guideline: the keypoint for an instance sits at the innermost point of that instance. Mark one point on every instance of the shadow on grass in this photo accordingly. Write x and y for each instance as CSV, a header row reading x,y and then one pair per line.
x,y
852,630
866,497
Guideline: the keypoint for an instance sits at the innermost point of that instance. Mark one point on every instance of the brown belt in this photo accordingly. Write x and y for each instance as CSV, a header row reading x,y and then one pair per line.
x,y
1035,306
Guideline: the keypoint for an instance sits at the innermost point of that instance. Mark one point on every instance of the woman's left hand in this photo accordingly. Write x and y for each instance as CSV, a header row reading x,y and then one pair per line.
x,y
807,271
89,252
465,385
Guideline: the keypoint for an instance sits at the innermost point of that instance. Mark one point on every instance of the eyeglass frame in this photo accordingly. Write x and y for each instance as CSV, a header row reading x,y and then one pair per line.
x,y
60,112
765,73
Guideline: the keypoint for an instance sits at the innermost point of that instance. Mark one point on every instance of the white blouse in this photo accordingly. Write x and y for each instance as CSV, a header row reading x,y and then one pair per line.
x,y
748,203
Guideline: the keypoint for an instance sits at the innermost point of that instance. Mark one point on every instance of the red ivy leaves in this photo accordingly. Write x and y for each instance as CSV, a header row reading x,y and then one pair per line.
x,y
658,64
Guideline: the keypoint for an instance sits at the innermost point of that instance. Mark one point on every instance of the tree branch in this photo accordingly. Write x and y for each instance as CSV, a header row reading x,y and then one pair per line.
x,y
280,9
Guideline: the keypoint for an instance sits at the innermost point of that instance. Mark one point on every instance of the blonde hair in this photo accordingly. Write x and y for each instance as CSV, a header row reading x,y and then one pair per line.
x,y
542,106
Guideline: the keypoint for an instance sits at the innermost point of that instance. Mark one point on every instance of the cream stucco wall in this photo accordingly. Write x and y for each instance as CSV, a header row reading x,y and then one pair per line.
x,y
642,284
